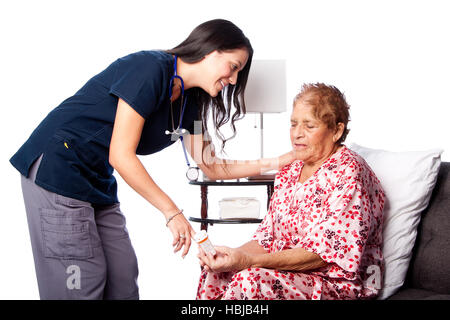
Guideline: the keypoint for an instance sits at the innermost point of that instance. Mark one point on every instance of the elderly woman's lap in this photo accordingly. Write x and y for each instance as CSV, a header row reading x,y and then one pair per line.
x,y
261,283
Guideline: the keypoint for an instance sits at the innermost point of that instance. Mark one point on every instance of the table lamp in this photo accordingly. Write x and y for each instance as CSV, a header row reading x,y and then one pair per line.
x,y
266,90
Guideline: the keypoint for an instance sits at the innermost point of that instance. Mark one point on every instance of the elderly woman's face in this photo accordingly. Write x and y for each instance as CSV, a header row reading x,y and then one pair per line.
x,y
312,140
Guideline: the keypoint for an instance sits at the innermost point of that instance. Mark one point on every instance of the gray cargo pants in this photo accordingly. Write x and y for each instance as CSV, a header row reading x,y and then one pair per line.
x,y
80,251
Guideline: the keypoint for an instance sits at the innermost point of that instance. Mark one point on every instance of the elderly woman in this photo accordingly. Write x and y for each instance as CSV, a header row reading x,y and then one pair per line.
x,y
322,235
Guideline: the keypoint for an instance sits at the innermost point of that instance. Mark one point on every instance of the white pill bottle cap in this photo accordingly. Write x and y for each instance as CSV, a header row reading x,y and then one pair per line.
x,y
200,236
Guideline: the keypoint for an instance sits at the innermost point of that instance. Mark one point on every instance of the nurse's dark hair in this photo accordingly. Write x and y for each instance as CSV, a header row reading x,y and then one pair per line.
x,y
221,35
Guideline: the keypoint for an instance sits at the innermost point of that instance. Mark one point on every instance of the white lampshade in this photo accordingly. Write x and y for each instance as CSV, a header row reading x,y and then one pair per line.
x,y
266,86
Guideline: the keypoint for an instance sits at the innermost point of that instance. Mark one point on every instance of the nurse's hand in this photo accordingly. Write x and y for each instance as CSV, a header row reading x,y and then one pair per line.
x,y
182,233
286,159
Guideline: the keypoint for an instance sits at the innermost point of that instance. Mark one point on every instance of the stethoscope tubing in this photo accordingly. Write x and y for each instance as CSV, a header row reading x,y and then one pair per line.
x,y
175,76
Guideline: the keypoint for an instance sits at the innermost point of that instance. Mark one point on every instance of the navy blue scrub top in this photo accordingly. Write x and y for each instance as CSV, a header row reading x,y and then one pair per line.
x,y
74,138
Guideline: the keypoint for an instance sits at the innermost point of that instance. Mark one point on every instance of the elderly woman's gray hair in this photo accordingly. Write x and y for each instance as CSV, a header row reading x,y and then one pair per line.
x,y
328,103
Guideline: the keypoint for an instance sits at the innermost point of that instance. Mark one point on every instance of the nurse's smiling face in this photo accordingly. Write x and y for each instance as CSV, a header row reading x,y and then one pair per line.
x,y
220,68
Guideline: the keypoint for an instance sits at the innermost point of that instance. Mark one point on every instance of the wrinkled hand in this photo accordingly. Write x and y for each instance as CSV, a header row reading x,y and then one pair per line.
x,y
180,226
226,259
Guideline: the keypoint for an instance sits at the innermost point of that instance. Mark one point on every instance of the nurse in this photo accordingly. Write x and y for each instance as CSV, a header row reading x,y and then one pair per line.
x,y
79,239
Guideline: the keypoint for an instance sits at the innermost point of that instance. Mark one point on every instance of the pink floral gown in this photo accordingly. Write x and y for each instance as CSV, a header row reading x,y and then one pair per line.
x,y
337,214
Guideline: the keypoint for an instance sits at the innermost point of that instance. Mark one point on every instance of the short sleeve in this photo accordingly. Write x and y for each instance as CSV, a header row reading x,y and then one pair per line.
x,y
340,236
138,80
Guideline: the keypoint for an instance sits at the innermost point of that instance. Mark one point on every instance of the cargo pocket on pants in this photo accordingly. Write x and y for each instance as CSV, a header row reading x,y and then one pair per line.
x,y
65,235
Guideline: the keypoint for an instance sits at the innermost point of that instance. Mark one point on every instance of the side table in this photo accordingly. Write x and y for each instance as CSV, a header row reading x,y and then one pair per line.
x,y
204,184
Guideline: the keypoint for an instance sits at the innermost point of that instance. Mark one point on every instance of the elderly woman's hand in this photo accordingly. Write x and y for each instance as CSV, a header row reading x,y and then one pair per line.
x,y
226,259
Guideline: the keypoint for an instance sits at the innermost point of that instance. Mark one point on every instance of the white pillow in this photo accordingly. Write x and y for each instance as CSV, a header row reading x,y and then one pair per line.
x,y
408,178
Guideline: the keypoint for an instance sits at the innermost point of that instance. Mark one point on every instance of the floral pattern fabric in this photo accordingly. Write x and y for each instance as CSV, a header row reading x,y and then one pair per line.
x,y
337,214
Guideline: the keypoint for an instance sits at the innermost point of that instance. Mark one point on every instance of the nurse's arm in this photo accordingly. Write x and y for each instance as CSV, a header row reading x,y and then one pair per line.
x,y
220,169
125,138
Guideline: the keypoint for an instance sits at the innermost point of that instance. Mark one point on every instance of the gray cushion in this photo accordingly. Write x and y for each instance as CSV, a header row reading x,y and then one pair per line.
x,y
430,264
418,294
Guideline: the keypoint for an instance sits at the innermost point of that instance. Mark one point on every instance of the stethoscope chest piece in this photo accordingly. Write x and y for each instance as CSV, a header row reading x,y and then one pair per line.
x,y
192,173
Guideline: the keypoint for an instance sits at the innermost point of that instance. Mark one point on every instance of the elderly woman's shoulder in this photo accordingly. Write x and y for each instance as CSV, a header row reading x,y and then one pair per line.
x,y
353,157
355,163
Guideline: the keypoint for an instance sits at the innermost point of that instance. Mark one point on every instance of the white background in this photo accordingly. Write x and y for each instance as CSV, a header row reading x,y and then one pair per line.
x,y
390,58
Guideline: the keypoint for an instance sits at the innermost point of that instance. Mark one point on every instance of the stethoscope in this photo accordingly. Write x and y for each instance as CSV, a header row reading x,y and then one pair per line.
x,y
192,173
